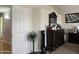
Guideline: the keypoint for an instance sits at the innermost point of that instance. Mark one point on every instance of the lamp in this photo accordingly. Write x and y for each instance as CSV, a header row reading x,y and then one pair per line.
x,y
6,16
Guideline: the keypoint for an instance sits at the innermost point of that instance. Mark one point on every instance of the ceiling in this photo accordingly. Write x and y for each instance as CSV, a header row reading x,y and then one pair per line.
x,y
64,9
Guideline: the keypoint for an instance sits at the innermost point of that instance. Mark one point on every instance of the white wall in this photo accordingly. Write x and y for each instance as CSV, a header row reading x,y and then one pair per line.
x,y
36,27
44,18
21,26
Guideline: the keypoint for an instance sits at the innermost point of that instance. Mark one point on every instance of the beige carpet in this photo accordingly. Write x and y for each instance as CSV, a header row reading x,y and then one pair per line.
x,y
67,48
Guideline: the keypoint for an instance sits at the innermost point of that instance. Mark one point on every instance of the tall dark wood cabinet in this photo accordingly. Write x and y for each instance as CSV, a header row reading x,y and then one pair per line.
x,y
52,18
55,38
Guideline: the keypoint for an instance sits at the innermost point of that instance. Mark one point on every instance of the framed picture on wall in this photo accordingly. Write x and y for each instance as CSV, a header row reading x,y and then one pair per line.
x,y
72,18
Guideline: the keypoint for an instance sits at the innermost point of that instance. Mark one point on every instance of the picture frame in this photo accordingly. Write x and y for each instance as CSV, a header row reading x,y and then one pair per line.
x,y
72,18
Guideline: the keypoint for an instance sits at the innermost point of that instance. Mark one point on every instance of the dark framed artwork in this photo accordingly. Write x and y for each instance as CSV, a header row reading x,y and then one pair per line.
x,y
52,18
72,18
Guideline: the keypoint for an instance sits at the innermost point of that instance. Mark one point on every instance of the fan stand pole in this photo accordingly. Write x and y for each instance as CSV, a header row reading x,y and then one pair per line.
x,y
33,45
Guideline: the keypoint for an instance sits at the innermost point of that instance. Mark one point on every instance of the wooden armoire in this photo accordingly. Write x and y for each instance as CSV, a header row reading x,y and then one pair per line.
x,y
55,38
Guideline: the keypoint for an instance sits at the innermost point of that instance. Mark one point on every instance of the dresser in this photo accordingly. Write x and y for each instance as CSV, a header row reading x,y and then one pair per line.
x,y
55,38
73,38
